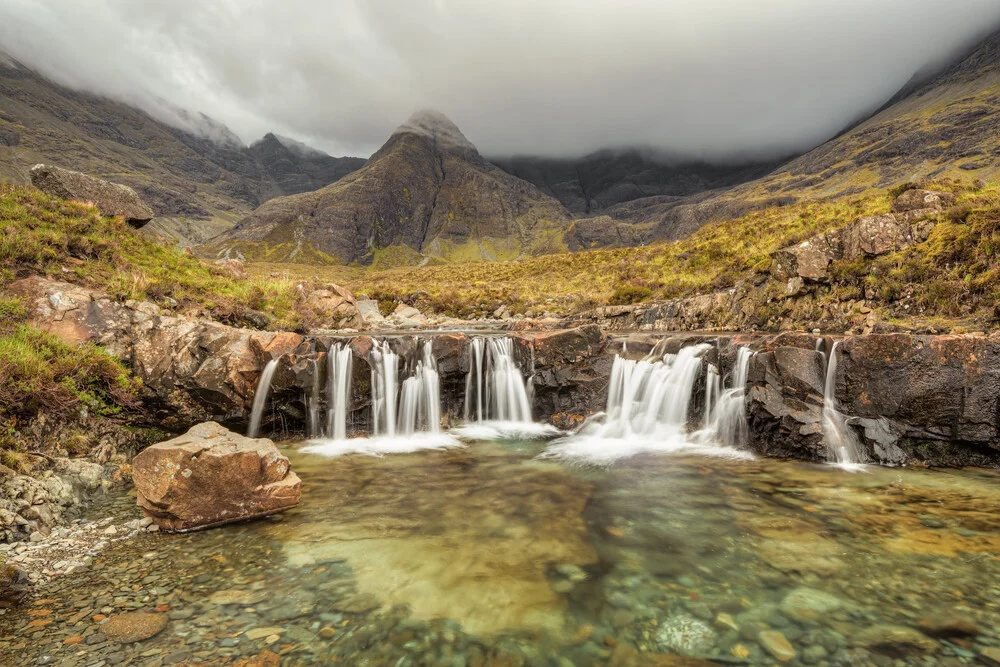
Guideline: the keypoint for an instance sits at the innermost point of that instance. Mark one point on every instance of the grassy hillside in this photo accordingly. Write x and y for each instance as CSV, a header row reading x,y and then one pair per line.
x,y
953,275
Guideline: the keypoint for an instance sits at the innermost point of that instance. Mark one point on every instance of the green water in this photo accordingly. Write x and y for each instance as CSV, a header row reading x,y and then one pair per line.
x,y
485,556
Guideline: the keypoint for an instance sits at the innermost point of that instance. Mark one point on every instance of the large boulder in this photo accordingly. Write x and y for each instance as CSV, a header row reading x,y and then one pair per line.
x,y
922,200
210,476
109,198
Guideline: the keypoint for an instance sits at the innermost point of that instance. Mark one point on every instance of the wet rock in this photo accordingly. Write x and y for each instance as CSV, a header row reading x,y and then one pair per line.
x,y
807,604
894,640
14,584
133,627
239,597
109,198
777,645
211,476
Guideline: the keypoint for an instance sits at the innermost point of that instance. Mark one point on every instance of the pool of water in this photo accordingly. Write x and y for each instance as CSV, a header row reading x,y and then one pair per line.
x,y
486,555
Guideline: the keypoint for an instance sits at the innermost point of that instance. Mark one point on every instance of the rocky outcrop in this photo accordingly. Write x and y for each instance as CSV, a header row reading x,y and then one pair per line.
x,y
336,307
192,370
109,198
871,236
908,399
210,476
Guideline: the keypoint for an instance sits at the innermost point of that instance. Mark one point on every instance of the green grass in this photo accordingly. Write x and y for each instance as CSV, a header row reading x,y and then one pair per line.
x,y
42,235
42,377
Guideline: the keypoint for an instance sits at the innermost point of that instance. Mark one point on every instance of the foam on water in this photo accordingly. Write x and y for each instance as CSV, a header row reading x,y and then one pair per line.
x,y
380,446
598,450
505,430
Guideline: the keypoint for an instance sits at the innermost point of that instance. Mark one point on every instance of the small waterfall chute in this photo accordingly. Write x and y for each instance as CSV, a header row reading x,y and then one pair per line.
x,y
647,411
842,446
260,398
406,417
340,362
725,409
498,399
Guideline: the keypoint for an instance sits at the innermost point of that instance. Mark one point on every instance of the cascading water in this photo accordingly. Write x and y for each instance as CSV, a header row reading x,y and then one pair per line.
x,y
340,362
647,411
725,411
473,409
405,417
260,398
499,393
842,447
385,390
420,401
498,400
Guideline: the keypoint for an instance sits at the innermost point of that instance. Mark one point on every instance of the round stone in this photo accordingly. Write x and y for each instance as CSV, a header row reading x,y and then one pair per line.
x,y
133,627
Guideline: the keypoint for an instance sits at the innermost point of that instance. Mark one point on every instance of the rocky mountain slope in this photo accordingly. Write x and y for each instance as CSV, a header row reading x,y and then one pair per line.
x,y
427,193
595,182
197,184
948,126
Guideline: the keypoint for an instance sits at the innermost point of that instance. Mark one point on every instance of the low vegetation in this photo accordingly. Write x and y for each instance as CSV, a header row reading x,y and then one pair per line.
x,y
43,378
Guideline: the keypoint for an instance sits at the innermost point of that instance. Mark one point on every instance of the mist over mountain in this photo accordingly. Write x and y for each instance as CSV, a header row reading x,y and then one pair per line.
x,y
706,81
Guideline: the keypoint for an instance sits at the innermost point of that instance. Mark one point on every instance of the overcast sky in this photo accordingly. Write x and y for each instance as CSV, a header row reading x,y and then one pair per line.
x,y
701,78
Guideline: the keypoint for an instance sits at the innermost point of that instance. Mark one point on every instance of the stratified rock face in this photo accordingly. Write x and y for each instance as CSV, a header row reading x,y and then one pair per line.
x,y
210,476
427,192
109,198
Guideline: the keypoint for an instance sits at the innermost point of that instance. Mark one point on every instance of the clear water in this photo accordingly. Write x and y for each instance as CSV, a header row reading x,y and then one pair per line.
x,y
485,555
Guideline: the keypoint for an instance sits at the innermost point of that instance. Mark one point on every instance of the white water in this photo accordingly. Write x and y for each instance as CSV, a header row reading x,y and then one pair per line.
x,y
496,394
647,411
260,397
725,411
420,402
380,446
338,390
385,390
842,447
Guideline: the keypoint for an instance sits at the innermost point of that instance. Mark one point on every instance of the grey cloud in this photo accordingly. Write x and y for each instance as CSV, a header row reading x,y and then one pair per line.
x,y
698,78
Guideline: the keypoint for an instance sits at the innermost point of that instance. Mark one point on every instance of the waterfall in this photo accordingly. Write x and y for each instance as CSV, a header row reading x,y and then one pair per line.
x,y
647,411
646,397
474,382
499,394
420,400
338,389
260,398
841,443
385,390
725,411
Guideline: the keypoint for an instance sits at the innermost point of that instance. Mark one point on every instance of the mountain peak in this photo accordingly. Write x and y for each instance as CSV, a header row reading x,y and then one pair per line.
x,y
435,125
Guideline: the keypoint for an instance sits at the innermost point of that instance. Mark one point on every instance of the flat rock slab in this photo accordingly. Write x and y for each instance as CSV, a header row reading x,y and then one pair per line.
x,y
211,476
133,627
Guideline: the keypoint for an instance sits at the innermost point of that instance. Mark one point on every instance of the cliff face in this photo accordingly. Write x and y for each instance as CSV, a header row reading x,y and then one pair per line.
x,y
427,193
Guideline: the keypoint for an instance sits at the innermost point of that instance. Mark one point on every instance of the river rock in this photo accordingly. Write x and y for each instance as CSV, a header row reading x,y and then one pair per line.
x,y
777,645
133,627
896,641
808,604
210,476
109,198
